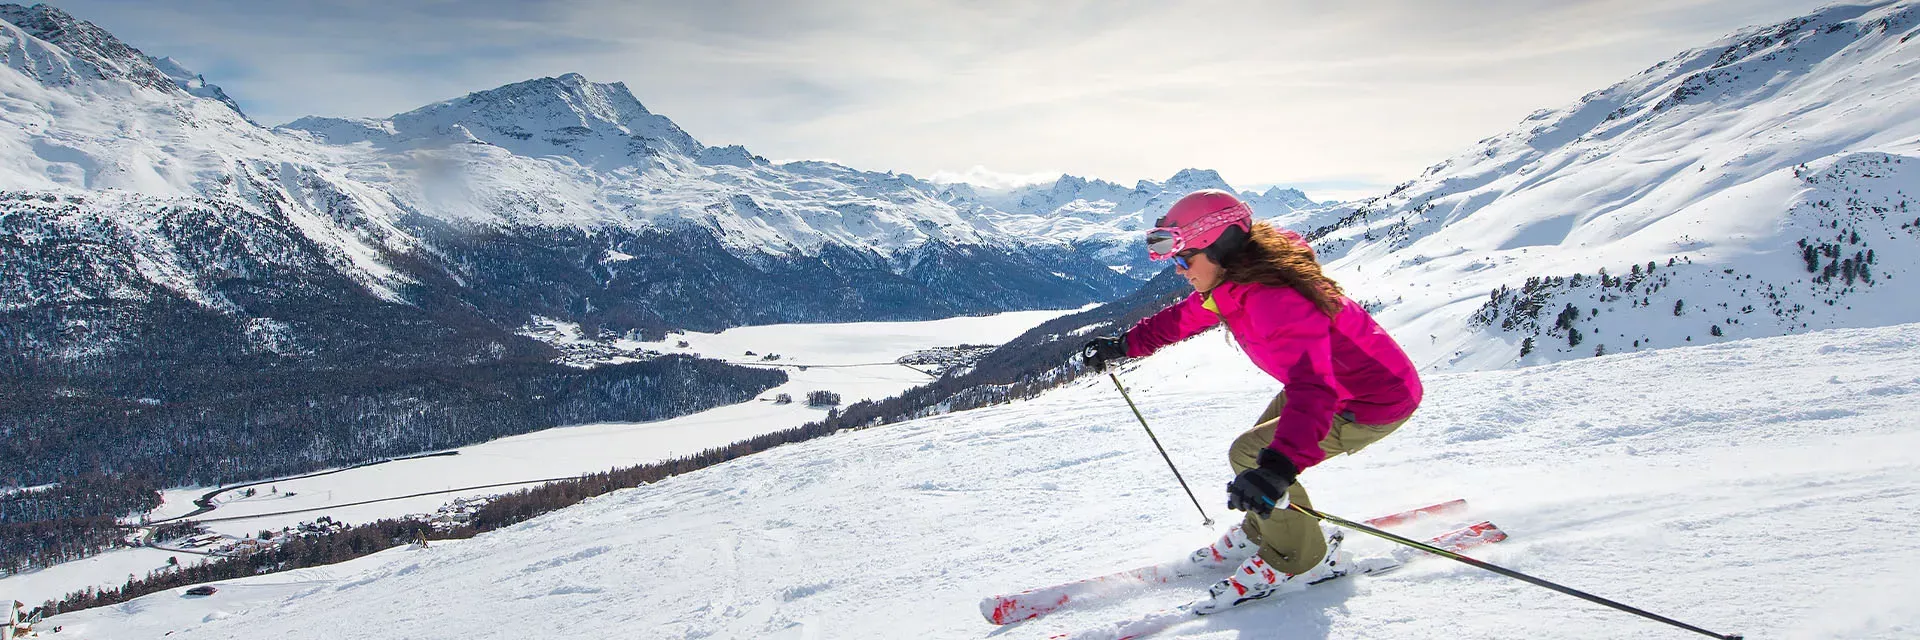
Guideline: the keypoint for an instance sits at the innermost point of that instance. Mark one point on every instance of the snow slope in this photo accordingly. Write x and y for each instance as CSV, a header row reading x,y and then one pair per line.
x,y
857,356
1777,505
89,114
1729,160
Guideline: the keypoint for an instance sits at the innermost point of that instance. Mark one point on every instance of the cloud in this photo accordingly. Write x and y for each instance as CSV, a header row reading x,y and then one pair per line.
x,y
1277,92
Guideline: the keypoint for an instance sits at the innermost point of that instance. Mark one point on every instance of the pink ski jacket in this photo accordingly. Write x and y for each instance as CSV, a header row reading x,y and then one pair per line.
x,y
1346,363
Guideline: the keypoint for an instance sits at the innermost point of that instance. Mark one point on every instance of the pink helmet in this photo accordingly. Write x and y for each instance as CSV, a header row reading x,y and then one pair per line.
x,y
1196,221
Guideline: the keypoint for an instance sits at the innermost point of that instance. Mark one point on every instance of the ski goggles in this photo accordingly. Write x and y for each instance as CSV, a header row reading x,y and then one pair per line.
x,y
1166,241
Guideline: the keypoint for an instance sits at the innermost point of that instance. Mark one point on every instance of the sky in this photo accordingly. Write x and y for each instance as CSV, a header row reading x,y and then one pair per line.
x,y
1342,100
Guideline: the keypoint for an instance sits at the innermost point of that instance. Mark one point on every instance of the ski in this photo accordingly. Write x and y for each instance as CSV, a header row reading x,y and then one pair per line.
x,y
1034,603
1397,519
1156,621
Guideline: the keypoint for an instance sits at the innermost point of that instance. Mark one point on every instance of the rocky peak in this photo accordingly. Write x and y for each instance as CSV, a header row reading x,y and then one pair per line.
x,y
1190,180
1290,198
194,83
344,130
731,155
106,56
959,191
557,110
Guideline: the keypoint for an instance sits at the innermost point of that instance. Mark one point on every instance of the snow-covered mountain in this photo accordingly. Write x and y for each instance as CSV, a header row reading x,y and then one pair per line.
x,y
160,253
566,116
569,153
51,46
1756,186
194,83
1106,219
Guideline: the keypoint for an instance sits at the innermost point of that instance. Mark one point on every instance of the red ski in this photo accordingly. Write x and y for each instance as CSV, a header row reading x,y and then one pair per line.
x,y
1394,520
1033,603
1148,624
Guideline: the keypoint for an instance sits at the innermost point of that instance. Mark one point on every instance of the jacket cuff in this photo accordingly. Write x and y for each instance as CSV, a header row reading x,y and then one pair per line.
x,y
1273,460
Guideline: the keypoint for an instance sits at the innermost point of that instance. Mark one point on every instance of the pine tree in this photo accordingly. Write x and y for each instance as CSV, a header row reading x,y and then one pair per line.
x,y
1574,337
1679,307
1526,346
1715,331
1567,317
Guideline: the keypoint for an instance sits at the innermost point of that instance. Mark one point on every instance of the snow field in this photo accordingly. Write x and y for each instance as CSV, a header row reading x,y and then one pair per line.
x,y
1715,156
571,450
1761,487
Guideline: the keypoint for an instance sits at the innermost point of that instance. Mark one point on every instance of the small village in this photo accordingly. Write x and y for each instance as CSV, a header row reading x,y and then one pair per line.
x,y
448,517
941,360
582,351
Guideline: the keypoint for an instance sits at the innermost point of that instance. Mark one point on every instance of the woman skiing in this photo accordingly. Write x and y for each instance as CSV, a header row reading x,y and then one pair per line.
x,y
1346,383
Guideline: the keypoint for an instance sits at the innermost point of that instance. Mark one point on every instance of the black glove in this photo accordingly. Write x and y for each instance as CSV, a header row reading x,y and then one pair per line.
x,y
1264,488
1099,351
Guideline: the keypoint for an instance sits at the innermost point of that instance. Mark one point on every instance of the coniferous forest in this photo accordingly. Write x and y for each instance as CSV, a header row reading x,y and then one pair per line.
x,y
290,422
310,422
1031,363
69,521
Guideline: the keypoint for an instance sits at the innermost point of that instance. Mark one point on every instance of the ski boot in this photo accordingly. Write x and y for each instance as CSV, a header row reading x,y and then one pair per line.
x,y
1255,580
1232,547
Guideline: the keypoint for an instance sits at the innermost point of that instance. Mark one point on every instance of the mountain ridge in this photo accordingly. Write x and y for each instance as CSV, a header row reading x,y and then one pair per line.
x,y
161,248
1699,162
97,50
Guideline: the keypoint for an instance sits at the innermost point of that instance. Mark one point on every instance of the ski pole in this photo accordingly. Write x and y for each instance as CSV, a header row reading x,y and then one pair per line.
x,y
1205,519
1505,571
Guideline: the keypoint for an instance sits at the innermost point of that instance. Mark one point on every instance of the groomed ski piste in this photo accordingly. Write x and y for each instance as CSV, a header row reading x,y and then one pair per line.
x,y
1763,487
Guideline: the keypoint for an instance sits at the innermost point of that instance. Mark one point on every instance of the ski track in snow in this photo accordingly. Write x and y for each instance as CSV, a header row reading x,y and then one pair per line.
x,y
1762,487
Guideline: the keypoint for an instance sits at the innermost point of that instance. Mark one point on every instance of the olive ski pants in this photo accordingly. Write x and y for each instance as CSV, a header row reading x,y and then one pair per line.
x,y
1291,541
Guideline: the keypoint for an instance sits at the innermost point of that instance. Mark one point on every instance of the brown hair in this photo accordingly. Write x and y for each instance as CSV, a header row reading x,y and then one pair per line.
x,y
1283,259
